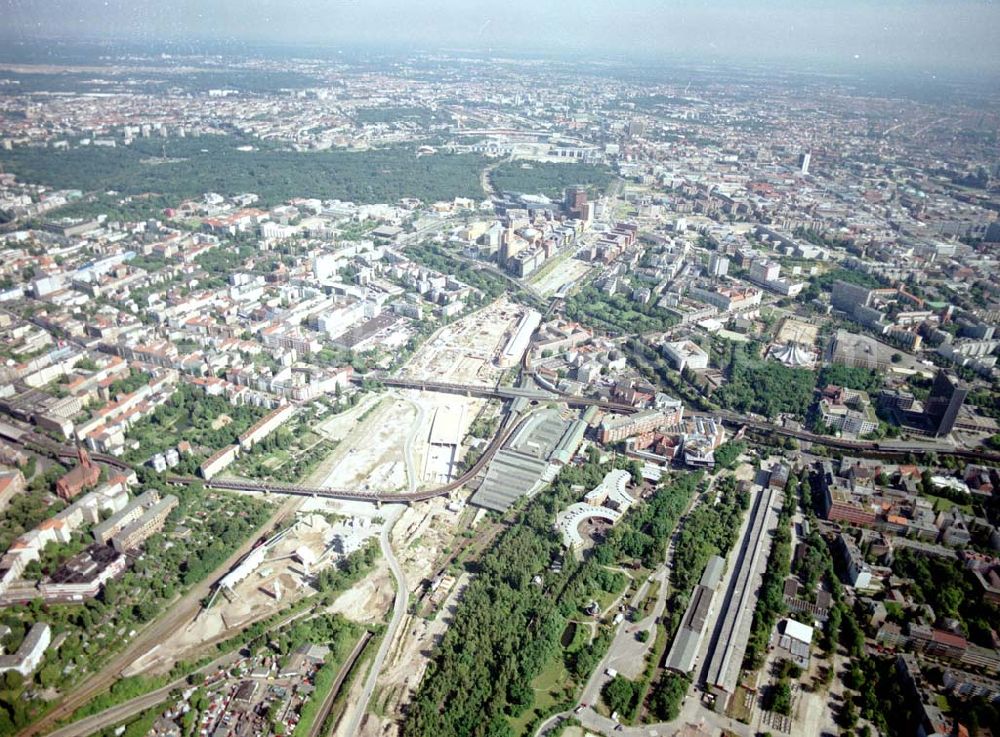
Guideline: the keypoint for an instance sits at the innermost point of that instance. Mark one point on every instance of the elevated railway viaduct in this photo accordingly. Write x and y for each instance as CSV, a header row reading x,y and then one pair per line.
x,y
884,449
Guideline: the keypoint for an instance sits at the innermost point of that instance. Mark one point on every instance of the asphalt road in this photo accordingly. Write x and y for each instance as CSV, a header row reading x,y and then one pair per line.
x,y
398,612
402,599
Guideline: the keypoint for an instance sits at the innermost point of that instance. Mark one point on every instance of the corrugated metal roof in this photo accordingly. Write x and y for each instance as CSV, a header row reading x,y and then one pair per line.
x,y
683,651
713,572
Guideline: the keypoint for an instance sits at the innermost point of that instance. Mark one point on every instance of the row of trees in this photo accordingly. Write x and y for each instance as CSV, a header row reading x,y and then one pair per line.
x,y
771,602
709,530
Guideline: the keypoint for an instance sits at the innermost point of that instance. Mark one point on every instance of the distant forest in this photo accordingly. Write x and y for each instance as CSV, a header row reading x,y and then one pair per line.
x,y
165,79
550,179
420,115
194,166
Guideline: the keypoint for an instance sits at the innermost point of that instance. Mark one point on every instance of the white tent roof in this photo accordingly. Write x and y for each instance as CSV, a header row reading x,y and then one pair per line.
x,y
798,631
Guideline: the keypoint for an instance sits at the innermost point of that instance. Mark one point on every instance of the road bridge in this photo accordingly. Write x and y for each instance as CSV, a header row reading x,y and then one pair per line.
x,y
859,447
889,449
500,392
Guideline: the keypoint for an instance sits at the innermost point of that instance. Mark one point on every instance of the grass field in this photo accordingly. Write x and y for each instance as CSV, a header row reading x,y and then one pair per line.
x,y
550,690
606,598
941,504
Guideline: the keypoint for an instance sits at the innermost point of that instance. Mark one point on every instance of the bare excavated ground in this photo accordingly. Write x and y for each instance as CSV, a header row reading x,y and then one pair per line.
x,y
419,538
277,583
465,351
569,271
370,455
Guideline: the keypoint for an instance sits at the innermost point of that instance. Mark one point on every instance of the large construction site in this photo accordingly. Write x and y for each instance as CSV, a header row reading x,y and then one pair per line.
x,y
273,575
467,351
420,538
403,439
395,441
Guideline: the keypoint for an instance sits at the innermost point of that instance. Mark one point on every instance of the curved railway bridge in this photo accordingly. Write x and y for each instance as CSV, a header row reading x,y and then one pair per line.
x,y
890,448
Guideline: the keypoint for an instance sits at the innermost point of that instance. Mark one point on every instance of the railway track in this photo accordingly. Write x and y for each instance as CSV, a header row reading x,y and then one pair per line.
x,y
47,446
41,443
324,711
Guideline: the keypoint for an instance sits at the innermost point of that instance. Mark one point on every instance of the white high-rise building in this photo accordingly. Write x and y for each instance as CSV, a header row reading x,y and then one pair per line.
x,y
804,159
718,265
765,271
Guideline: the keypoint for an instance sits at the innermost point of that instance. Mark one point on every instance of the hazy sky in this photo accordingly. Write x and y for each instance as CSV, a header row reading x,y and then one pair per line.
x,y
923,34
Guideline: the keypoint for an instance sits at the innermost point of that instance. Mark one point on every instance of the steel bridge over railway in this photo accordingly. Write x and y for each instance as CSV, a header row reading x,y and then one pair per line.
x,y
47,445
501,392
50,447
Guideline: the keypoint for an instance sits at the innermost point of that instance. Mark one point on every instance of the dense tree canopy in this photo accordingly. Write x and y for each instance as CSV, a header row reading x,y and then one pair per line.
x,y
765,387
511,618
668,694
616,313
852,378
550,179
194,166
951,590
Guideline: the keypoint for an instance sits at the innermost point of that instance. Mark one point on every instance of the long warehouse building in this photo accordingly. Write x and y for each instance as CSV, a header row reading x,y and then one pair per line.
x,y
521,339
732,629
684,649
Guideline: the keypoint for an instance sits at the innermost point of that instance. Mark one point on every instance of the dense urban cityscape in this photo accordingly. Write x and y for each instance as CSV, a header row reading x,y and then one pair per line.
x,y
461,394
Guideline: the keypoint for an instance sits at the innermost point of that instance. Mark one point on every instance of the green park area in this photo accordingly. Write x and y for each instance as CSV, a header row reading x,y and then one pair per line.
x,y
764,387
522,680
206,422
616,313
184,168
550,179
